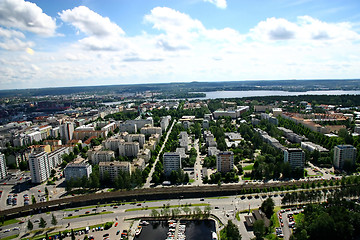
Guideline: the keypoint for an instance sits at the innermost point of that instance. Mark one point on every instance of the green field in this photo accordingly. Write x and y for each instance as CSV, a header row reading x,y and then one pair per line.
x,y
172,206
249,167
8,222
86,215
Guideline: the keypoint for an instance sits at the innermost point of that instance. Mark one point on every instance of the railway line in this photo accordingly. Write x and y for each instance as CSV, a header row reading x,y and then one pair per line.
x,y
144,194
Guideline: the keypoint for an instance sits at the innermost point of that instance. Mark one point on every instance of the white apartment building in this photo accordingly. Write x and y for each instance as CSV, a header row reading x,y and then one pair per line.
x,y
55,157
344,153
113,144
151,130
225,161
3,171
67,131
39,167
296,157
114,168
128,127
140,138
77,170
171,162
140,123
129,149
164,123
101,156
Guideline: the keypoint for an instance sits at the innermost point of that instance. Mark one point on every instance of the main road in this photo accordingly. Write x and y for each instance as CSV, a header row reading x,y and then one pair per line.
x,y
148,180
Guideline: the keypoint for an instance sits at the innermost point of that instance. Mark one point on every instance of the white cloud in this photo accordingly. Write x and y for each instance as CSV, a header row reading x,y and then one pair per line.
x,y
102,33
6,33
26,16
90,22
15,44
305,28
218,3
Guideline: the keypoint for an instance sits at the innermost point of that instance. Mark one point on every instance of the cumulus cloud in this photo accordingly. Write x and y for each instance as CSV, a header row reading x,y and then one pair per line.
x,y
102,33
218,3
305,28
26,16
90,22
15,44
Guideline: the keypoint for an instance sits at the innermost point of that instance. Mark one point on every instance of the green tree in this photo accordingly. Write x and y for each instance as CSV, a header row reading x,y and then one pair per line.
x,y
259,229
53,220
30,225
268,207
42,223
46,192
23,166
230,232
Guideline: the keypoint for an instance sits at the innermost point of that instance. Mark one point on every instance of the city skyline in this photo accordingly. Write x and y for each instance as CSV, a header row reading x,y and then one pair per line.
x,y
82,43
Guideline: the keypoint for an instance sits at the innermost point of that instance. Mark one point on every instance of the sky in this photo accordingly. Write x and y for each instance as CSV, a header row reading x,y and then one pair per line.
x,y
61,43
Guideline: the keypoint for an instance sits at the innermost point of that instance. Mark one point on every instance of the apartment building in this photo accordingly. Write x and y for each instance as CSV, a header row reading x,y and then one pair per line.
x,y
39,167
296,157
343,154
225,161
172,162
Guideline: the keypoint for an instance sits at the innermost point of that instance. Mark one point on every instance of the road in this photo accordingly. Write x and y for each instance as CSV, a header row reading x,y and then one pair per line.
x,y
197,166
148,180
223,207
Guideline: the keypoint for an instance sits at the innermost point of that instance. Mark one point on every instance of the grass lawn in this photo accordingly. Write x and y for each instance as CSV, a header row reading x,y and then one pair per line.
x,y
171,206
10,237
8,222
86,215
249,167
246,178
191,180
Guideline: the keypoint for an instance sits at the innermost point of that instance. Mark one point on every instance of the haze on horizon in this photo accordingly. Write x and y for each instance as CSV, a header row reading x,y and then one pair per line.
x,y
63,43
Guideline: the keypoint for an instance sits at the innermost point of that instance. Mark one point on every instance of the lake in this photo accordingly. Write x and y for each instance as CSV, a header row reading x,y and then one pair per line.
x,y
259,93
263,93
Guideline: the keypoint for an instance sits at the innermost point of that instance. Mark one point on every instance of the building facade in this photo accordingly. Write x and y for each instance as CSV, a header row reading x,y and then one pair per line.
x,y
172,162
225,161
3,171
295,157
39,167
77,170
114,168
343,154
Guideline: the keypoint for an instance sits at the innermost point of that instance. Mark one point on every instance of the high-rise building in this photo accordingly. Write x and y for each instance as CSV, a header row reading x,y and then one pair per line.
x,y
129,149
295,157
67,131
39,167
3,172
343,154
225,161
172,162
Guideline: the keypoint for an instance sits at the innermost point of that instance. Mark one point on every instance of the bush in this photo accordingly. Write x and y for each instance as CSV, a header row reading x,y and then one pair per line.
x,y
108,225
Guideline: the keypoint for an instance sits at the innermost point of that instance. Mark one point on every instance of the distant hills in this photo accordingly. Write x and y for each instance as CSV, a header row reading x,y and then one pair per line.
x,y
176,88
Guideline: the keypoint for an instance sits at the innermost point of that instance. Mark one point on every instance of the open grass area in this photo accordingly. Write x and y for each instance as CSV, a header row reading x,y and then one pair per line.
x,y
216,197
298,217
171,206
246,178
10,237
86,215
8,222
237,215
248,167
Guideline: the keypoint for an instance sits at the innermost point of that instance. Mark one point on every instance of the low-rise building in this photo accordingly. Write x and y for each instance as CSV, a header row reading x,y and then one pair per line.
x,y
77,170
114,168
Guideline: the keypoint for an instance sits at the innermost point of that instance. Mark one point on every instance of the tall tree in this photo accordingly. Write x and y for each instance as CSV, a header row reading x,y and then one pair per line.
x,y
259,229
42,223
30,225
53,220
268,207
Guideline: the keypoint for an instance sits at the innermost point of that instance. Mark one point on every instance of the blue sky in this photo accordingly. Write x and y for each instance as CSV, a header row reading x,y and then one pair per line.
x,y
91,42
